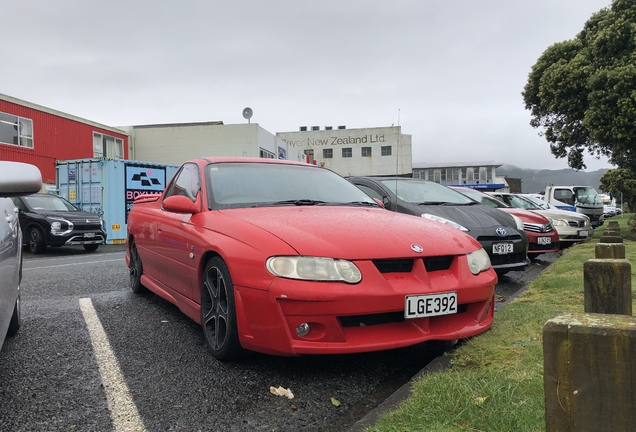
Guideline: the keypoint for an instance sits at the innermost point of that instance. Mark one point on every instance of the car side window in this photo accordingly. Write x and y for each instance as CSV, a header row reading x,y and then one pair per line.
x,y
186,183
19,204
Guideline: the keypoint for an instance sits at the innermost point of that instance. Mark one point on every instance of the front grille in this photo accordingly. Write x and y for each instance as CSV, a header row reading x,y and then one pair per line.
x,y
538,228
507,259
577,224
394,266
482,239
406,265
538,247
382,318
438,263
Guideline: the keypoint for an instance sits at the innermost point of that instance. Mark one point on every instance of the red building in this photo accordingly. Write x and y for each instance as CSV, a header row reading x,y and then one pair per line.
x,y
38,135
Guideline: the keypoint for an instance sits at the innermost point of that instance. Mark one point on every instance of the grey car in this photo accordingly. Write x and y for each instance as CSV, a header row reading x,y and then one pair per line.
x,y
15,179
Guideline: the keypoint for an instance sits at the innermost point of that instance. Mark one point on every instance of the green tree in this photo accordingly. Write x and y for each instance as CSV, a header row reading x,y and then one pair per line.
x,y
582,92
620,181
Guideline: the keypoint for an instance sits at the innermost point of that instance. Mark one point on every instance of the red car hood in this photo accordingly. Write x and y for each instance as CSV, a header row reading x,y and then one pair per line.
x,y
527,215
355,232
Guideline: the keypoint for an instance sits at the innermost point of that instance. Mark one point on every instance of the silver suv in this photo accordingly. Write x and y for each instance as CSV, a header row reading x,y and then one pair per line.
x,y
15,179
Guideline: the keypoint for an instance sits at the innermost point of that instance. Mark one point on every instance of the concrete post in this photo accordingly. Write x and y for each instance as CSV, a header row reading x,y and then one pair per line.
x,y
607,286
609,250
589,362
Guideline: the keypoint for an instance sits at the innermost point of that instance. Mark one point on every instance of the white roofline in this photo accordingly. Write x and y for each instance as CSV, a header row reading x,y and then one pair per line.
x,y
59,113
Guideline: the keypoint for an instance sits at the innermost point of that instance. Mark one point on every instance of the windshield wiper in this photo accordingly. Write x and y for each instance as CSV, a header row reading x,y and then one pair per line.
x,y
466,204
433,203
363,203
299,202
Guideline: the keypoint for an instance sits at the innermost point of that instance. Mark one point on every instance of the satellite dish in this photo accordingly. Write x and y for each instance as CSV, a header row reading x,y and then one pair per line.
x,y
247,113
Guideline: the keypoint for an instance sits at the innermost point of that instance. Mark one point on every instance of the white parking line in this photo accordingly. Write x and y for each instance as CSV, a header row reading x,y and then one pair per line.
x,y
72,264
123,410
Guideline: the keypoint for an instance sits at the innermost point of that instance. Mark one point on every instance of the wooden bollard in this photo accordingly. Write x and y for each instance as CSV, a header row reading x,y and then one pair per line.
x,y
589,361
612,224
610,239
609,251
612,232
607,286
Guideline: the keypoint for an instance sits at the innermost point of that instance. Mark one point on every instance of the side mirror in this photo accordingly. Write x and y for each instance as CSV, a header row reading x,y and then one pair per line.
x,y
386,202
380,203
18,178
181,204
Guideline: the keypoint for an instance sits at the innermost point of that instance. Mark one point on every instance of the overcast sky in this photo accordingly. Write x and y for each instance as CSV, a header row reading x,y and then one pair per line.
x,y
450,72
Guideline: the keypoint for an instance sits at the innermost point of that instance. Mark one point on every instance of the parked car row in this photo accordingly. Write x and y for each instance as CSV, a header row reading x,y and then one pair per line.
x,y
287,258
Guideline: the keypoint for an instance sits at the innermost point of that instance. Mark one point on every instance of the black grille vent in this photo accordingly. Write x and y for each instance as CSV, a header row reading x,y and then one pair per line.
x,y
438,263
482,239
382,318
394,266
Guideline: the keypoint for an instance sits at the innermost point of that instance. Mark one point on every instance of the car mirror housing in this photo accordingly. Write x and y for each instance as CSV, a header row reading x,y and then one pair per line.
x,y
18,178
181,204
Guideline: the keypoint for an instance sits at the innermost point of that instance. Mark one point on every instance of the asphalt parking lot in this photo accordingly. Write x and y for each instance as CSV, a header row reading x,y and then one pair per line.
x,y
81,323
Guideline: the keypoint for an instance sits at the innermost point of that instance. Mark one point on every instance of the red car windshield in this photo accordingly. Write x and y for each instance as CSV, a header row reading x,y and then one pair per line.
x,y
238,184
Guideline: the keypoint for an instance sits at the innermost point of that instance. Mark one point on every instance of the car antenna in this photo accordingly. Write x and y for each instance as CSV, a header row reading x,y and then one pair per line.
x,y
397,162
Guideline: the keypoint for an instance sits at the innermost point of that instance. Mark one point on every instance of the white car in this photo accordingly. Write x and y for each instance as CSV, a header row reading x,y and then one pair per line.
x,y
572,227
15,179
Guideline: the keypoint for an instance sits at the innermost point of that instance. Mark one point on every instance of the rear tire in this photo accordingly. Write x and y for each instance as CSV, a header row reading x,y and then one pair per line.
x,y
91,247
136,270
35,240
14,324
218,311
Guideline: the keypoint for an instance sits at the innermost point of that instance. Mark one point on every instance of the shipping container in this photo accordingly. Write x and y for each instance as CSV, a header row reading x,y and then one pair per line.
x,y
108,187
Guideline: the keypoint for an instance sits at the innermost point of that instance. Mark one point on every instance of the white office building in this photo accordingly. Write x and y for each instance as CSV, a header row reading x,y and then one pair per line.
x,y
356,152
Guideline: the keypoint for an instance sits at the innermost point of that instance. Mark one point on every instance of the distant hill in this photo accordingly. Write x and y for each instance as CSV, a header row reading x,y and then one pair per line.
x,y
533,181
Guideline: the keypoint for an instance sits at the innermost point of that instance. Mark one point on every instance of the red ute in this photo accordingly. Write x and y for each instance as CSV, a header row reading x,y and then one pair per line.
x,y
288,258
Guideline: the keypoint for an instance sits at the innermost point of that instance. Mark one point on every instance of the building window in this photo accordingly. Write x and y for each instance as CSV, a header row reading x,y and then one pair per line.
x,y
366,151
327,153
437,176
303,128
107,146
347,153
315,128
16,130
265,154
328,127
386,150
342,127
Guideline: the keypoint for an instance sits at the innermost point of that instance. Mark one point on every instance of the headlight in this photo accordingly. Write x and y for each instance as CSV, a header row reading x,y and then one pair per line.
x,y
444,221
519,222
60,226
559,222
478,261
314,269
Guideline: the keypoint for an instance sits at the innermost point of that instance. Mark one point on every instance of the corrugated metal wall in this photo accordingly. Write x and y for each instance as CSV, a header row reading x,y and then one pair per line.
x,y
54,138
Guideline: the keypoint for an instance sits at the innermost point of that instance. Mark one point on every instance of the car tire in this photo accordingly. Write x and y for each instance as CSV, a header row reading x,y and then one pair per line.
x,y
218,311
14,324
136,270
91,247
35,240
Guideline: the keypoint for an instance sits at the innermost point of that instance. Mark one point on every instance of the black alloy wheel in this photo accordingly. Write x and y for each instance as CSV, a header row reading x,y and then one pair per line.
x,y
218,311
136,270
35,239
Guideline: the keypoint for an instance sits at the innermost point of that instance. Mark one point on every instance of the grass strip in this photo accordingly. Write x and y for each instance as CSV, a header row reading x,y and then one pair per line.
x,y
495,382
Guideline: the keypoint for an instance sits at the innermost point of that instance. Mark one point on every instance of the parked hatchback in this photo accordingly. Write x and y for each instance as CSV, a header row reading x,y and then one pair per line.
x,y
572,227
15,179
50,220
500,234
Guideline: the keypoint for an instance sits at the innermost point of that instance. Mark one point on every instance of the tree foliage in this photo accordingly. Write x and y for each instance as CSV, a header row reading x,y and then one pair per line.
x,y
582,92
620,182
